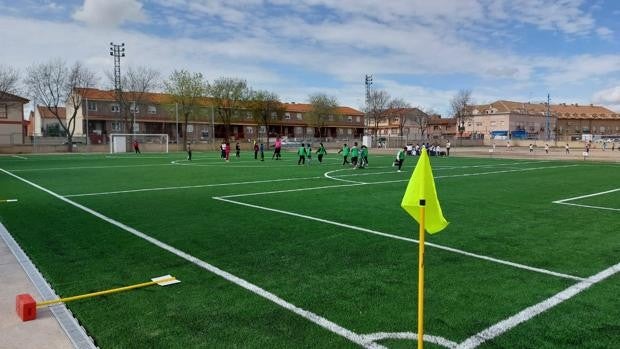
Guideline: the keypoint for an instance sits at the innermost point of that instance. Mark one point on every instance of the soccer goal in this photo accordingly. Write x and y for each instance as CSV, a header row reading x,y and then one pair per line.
x,y
149,143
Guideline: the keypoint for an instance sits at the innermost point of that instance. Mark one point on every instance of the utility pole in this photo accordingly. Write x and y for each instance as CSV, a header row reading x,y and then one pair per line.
x,y
118,51
548,117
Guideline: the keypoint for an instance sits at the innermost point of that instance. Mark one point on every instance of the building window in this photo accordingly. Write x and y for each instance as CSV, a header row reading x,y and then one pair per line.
x,y
92,106
133,108
152,109
349,131
299,116
249,130
340,131
274,115
4,111
396,120
349,118
478,124
358,119
116,126
136,127
287,116
115,108
330,117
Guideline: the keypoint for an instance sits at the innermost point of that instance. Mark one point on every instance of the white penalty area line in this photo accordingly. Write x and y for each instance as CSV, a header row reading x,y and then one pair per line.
x,y
19,157
310,316
327,175
189,187
378,336
528,313
566,201
397,237
83,167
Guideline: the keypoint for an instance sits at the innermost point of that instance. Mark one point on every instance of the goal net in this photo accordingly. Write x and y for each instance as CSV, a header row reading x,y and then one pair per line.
x,y
149,143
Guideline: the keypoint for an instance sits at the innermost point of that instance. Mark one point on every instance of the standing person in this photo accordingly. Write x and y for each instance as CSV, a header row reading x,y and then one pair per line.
x,y
613,146
321,152
546,148
278,149
262,152
309,154
531,147
302,154
493,145
345,154
136,146
227,151
604,145
400,158
189,151
237,150
255,151
567,149
508,146
448,148
364,157
223,150
355,154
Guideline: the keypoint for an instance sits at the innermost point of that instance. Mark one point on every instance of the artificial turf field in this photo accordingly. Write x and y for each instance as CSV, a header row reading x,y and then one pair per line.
x,y
272,254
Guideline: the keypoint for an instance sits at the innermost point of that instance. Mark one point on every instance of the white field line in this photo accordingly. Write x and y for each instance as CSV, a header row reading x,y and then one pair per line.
x,y
188,187
588,206
373,337
528,313
84,167
488,165
20,157
397,237
327,175
323,322
586,196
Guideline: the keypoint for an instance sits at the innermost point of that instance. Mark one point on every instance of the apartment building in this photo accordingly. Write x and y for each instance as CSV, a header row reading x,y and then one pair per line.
x,y
13,127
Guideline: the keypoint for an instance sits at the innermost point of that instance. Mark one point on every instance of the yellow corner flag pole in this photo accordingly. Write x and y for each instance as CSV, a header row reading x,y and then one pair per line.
x,y
420,200
421,277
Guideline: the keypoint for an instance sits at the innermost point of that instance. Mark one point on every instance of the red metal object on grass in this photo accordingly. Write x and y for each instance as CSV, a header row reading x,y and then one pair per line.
x,y
26,307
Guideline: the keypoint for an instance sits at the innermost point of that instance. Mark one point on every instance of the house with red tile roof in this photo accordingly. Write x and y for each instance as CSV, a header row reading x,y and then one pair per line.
x,y
13,127
101,114
529,120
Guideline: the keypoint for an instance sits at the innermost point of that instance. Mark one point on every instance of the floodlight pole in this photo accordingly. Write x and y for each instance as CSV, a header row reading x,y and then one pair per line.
x,y
118,51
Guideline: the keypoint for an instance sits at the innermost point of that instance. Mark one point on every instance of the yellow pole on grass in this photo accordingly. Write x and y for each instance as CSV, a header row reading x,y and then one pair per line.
x,y
100,293
421,277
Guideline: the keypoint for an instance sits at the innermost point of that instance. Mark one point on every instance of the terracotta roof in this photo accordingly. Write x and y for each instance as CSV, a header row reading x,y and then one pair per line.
x,y
9,97
562,111
304,108
47,114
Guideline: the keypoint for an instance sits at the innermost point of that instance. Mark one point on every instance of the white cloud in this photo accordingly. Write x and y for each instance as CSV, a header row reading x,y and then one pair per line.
x,y
110,13
609,97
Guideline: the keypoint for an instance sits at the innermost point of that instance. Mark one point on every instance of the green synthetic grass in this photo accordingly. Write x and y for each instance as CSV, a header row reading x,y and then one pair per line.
x,y
366,283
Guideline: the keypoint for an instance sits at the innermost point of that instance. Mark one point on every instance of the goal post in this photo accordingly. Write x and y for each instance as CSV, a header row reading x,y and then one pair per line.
x,y
149,143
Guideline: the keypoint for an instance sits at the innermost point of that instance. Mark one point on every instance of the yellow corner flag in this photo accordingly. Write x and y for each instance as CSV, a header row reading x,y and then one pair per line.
x,y
422,187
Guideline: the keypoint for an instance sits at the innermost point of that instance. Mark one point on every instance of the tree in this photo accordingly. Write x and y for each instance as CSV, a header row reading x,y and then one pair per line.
x,y
401,109
54,85
186,91
263,105
136,84
420,118
459,105
378,104
9,78
322,106
228,95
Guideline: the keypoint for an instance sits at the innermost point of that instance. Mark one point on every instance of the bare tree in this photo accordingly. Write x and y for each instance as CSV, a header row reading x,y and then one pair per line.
x,y
378,104
264,105
136,84
322,107
54,85
186,91
228,95
420,118
460,109
9,78
401,109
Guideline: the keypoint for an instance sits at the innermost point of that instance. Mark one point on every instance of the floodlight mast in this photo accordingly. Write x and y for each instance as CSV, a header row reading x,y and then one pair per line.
x,y
368,83
118,51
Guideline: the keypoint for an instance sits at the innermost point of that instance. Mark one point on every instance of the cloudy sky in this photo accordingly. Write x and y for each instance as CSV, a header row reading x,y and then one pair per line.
x,y
423,51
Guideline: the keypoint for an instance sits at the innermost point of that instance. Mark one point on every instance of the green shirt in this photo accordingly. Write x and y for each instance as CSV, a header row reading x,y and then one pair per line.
x,y
364,152
354,152
401,155
321,151
345,151
301,151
